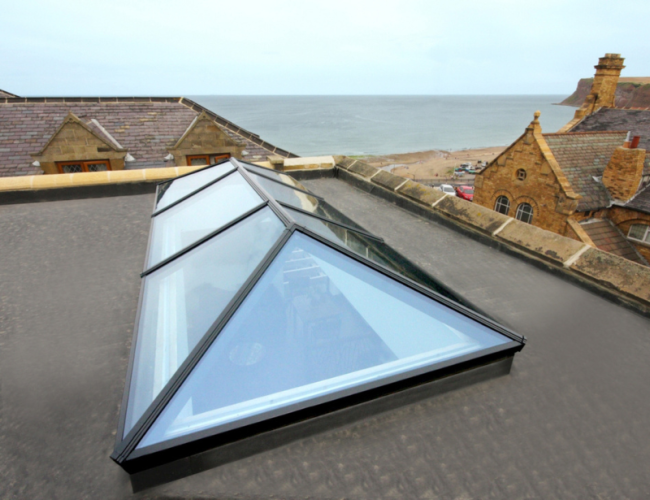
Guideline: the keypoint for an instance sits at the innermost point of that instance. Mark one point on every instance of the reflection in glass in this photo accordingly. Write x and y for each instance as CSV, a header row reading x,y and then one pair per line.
x,y
286,194
183,299
171,191
317,323
199,215
286,179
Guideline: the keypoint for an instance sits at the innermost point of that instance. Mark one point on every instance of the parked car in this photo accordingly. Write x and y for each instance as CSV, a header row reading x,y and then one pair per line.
x,y
447,189
465,192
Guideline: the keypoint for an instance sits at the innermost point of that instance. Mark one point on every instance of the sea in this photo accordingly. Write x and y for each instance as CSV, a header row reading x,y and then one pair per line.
x,y
382,125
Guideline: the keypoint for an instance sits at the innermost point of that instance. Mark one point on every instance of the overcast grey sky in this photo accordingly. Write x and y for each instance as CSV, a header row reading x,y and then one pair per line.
x,y
200,47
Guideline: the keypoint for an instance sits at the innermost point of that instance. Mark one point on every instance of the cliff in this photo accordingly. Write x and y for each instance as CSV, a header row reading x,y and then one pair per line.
x,y
631,92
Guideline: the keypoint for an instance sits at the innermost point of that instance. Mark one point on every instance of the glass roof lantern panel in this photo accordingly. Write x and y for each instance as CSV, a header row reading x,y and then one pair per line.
x,y
199,215
285,179
287,194
173,191
183,299
317,322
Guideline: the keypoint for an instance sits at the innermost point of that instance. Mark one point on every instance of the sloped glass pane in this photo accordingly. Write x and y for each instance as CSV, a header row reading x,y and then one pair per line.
x,y
262,170
170,192
286,194
317,323
373,249
182,300
286,179
199,215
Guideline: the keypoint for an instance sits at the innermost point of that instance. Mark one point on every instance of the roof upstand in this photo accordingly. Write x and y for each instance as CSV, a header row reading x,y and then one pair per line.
x,y
265,315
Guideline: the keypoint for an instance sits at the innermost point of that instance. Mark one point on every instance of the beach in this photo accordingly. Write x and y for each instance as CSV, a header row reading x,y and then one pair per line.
x,y
434,164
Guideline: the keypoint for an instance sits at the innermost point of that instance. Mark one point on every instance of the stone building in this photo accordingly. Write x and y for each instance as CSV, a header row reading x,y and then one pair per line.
x,y
89,134
590,181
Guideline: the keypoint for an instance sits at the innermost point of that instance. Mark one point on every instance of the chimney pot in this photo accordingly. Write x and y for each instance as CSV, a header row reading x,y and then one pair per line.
x,y
635,142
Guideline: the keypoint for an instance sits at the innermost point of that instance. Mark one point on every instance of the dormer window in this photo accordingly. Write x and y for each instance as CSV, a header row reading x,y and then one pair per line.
x,y
72,167
198,160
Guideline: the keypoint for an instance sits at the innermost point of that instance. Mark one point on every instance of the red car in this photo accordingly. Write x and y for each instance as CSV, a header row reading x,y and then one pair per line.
x,y
465,192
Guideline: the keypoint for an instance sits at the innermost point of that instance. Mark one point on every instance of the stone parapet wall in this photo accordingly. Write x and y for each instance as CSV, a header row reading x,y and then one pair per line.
x,y
616,277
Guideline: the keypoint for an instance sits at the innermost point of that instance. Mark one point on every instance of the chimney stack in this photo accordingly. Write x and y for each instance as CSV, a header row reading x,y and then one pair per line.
x,y
623,173
603,90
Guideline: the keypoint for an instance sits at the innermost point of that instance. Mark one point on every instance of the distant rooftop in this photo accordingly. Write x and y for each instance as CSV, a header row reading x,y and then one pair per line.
x,y
583,157
145,126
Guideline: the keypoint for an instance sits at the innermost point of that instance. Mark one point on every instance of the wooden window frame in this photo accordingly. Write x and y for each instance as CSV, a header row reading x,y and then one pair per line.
x,y
216,156
84,164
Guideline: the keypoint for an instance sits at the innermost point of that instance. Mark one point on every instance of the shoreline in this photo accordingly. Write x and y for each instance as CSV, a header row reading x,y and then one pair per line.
x,y
432,164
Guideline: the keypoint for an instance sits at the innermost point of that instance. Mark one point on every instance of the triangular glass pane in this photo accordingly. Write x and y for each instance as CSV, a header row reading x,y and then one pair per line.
x,y
371,248
172,191
366,246
183,299
199,215
317,323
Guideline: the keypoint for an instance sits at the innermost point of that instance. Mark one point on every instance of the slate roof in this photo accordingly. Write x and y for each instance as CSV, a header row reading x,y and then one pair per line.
x,y
641,201
610,239
583,156
145,126
635,121
4,93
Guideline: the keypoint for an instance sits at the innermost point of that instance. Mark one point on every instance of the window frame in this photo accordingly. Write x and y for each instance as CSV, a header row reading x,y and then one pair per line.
x,y
646,236
498,204
84,165
216,158
521,174
520,210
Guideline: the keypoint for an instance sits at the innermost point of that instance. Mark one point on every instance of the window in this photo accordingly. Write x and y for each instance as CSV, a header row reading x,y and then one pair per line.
x,y
525,213
198,160
639,232
71,167
502,205
521,174
259,303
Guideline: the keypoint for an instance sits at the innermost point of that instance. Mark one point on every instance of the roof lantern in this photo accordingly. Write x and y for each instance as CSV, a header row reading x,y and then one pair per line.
x,y
262,306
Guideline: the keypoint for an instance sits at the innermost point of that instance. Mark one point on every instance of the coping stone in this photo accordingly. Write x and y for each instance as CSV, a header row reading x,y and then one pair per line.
x,y
615,272
363,169
420,193
388,180
543,243
346,163
477,216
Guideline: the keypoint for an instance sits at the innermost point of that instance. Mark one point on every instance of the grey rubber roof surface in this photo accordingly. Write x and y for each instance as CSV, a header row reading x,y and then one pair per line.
x,y
570,421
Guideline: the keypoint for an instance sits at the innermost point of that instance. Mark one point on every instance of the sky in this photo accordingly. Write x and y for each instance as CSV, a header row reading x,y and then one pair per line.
x,y
314,47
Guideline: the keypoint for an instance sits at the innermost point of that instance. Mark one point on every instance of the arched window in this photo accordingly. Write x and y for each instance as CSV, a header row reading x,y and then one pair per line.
x,y
502,205
525,213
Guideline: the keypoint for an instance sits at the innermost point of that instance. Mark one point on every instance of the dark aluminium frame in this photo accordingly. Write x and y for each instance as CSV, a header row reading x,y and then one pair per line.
x,y
136,461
